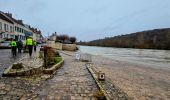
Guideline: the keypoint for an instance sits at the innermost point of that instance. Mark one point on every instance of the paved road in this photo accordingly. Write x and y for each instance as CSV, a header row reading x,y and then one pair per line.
x,y
6,59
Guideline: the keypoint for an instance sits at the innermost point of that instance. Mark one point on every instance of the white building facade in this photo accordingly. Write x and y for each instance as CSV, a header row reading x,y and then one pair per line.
x,y
16,29
6,28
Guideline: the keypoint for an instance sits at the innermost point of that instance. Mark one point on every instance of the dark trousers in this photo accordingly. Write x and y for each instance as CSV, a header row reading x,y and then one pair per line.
x,y
30,50
19,49
14,50
35,48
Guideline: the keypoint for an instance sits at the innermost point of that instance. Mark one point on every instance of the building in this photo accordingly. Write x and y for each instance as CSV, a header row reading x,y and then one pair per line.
x,y
37,36
6,28
53,37
21,31
16,29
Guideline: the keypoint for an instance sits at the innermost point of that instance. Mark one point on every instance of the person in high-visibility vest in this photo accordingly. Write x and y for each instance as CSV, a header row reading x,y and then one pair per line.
x,y
35,46
29,43
14,47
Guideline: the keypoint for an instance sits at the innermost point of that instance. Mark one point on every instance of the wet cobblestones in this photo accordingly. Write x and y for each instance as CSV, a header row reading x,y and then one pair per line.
x,y
71,82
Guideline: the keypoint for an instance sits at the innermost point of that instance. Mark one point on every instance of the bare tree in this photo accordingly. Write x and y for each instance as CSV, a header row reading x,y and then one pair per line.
x,y
72,39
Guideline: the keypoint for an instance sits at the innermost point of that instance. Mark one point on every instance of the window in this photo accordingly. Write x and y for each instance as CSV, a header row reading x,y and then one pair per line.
x,y
7,35
0,26
20,30
6,27
15,28
11,30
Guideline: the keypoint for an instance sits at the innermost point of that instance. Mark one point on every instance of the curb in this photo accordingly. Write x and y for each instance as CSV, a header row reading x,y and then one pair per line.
x,y
5,73
23,72
96,80
53,68
110,91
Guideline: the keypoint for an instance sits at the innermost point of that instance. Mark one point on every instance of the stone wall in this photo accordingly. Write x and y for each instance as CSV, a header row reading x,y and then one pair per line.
x,y
54,45
69,47
60,46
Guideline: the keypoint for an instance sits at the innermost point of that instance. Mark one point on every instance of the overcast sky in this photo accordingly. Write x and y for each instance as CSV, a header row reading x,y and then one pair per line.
x,y
90,19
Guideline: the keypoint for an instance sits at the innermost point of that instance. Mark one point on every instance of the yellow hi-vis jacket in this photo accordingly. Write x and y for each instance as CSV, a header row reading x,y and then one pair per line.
x,y
29,41
35,43
13,43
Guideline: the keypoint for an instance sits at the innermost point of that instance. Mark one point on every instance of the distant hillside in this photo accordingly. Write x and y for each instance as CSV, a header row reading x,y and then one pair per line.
x,y
152,39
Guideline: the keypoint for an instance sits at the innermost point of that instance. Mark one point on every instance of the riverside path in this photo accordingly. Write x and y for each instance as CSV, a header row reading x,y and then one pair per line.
x,y
71,82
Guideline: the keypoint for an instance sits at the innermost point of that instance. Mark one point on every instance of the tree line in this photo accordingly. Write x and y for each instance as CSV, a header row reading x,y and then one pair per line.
x,y
63,38
152,39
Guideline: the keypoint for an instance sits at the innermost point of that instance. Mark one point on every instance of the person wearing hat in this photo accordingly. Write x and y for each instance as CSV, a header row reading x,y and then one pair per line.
x,y
29,43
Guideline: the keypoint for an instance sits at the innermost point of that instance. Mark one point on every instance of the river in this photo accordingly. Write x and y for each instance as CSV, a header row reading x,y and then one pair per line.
x,y
147,57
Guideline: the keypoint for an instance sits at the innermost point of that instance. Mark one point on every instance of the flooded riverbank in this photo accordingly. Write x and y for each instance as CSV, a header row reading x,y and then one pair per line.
x,y
142,80
159,59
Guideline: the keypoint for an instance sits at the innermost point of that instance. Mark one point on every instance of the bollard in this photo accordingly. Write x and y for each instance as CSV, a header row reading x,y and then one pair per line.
x,y
77,56
101,76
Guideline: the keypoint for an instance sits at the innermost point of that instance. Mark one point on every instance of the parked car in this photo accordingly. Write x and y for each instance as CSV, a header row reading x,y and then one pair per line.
x,y
5,44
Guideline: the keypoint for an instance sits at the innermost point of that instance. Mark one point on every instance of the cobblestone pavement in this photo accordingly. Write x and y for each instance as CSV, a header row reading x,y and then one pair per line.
x,y
13,88
32,62
6,59
71,82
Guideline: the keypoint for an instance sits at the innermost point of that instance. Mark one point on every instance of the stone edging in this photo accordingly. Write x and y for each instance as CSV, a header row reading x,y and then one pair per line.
x,y
22,72
33,70
53,68
96,80
110,91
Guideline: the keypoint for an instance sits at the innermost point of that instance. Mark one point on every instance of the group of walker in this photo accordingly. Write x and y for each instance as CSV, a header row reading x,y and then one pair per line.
x,y
29,44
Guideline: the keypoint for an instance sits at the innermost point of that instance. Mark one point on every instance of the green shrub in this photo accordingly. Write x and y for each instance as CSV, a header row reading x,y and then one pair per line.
x,y
58,59
17,66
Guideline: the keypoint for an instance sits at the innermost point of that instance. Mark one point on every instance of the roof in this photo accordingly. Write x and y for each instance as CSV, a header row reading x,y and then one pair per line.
x,y
3,17
16,21
11,18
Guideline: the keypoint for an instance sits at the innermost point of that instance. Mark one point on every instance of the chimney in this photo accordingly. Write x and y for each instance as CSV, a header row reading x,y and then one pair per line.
x,y
9,14
20,21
